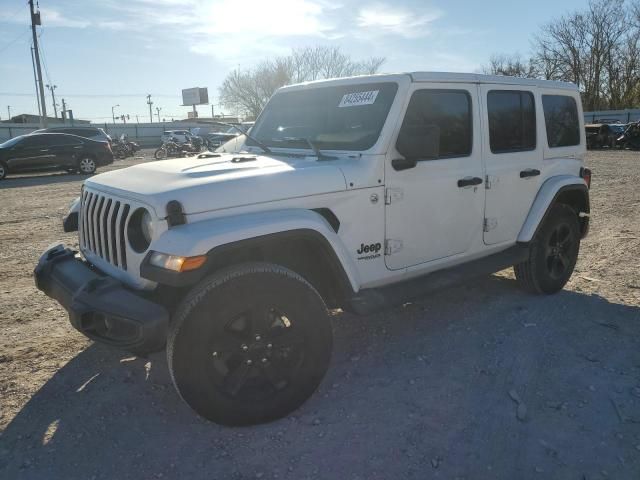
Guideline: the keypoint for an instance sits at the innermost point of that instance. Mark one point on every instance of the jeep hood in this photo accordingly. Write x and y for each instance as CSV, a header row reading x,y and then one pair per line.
x,y
205,184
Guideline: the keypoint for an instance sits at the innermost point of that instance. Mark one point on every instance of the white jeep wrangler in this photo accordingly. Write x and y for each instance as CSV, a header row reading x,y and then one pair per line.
x,y
355,193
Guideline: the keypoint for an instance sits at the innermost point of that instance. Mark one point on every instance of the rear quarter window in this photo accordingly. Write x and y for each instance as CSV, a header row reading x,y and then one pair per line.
x,y
561,120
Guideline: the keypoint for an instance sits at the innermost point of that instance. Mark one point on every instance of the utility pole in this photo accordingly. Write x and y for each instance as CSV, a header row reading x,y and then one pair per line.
x,y
137,119
158,113
35,20
212,114
113,115
150,103
35,79
64,111
9,111
53,96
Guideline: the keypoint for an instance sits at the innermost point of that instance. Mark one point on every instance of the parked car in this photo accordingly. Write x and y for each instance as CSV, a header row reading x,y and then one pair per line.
x,y
601,135
235,145
215,139
92,133
53,151
182,136
359,193
630,137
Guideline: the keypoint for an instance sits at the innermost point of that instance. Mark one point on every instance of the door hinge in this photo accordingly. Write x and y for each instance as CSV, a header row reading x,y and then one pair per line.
x,y
392,195
490,224
490,181
392,246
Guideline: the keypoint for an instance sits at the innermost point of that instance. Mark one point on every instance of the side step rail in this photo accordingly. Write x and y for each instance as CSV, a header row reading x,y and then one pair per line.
x,y
372,300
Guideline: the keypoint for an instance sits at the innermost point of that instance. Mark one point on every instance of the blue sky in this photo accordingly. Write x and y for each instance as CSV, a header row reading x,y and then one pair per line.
x,y
107,52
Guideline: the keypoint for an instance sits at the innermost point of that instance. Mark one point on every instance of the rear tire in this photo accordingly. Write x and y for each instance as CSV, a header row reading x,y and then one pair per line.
x,y
87,166
553,252
3,170
249,344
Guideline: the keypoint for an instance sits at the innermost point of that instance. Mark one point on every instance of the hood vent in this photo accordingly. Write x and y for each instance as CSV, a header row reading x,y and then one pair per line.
x,y
243,159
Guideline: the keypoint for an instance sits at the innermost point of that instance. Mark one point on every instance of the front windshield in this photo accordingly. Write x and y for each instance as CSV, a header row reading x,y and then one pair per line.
x,y
345,117
617,128
11,142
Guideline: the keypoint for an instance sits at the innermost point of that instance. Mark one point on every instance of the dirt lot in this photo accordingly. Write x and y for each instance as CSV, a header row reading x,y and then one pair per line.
x,y
430,390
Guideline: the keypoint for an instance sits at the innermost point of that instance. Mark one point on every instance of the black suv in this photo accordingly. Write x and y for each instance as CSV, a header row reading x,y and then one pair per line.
x,y
92,133
51,151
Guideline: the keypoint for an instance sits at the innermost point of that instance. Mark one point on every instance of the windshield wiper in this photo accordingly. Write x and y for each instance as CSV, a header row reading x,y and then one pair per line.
x,y
246,134
308,141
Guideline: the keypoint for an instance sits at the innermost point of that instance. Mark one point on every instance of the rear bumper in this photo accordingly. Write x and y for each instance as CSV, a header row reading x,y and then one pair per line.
x,y
99,306
104,159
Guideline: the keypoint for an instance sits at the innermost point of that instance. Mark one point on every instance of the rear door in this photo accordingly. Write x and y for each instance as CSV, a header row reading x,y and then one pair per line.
x,y
65,149
513,153
435,209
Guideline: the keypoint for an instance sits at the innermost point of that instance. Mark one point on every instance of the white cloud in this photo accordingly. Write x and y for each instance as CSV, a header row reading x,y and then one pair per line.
x,y
53,18
232,31
386,19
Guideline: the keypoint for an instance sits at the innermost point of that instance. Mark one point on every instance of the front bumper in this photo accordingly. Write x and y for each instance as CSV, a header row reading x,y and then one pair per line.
x,y
99,306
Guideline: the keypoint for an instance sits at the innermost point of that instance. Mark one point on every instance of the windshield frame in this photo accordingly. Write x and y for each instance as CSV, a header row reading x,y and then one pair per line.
x,y
361,85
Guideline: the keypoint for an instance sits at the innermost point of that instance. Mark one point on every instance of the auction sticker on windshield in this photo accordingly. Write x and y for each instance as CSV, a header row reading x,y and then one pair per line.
x,y
359,98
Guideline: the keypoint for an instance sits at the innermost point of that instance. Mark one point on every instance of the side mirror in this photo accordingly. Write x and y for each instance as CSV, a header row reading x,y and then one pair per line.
x,y
419,142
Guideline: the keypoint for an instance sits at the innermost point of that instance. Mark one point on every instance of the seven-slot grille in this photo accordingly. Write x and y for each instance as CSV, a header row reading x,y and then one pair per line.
x,y
102,227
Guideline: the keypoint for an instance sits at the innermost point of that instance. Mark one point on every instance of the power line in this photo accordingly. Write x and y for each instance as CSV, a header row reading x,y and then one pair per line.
x,y
19,37
8,18
96,95
44,58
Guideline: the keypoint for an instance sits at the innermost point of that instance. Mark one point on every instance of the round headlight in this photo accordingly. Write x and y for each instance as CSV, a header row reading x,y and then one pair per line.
x,y
147,226
140,230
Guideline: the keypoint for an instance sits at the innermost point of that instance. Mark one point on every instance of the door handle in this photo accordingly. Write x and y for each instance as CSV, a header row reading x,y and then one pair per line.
x,y
44,150
529,172
469,182
403,163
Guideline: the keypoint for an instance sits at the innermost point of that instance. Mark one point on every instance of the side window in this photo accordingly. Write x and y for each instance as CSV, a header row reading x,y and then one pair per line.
x,y
33,141
512,121
58,140
561,120
438,124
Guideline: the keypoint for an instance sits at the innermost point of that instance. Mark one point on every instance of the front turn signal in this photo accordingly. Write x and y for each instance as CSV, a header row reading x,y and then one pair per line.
x,y
177,263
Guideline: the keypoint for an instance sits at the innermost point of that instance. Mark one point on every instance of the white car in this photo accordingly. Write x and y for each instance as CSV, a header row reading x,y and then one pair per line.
x,y
358,193
181,135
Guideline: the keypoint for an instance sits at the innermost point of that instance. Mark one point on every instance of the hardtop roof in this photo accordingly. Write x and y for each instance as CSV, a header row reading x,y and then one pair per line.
x,y
441,77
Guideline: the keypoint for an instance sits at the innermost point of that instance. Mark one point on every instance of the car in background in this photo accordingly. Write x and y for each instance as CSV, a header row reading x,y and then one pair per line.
x,y
601,135
53,151
92,133
235,145
183,136
216,139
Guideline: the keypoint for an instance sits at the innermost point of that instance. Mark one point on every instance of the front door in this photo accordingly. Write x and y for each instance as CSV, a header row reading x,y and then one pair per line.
x,y
513,159
435,205
29,154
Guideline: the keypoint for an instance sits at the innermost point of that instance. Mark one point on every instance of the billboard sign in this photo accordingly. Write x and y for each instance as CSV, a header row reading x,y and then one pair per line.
x,y
195,96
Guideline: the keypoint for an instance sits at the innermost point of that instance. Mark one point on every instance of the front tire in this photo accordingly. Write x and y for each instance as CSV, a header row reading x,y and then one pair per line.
x,y
160,154
249,344
3,170
553,252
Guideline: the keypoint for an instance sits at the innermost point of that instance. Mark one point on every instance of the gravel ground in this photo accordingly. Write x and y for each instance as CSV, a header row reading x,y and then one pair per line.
x,y
479,382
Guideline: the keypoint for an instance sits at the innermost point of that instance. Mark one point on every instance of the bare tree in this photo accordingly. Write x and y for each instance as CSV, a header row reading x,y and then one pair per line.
x,y
597,48
509,65
250,90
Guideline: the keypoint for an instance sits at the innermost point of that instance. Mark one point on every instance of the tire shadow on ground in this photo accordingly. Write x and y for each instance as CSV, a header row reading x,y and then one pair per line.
x,y
42,179
410,391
